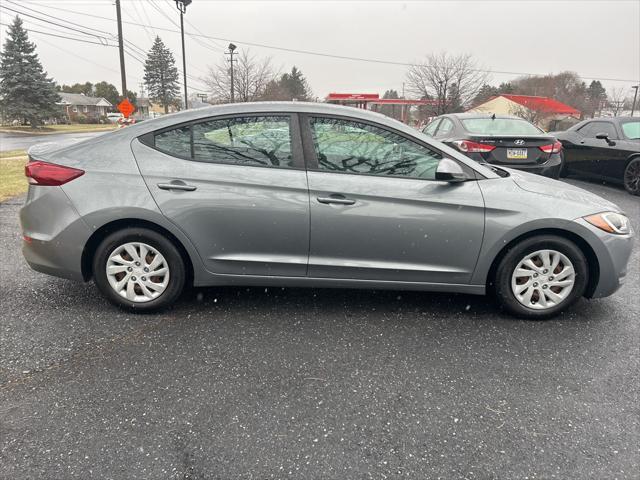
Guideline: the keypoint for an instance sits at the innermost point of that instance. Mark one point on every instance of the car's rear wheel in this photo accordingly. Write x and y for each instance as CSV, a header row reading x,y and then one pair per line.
x,y
541,276
139,269
632,177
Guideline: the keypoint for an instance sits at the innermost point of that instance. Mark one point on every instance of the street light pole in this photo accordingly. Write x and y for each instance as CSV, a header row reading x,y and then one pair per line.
x,y
635,95
123,74
182,7
231,51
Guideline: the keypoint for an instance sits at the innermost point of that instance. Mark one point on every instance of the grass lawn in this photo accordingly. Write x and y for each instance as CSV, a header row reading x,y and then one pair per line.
x,y
73,128
12,179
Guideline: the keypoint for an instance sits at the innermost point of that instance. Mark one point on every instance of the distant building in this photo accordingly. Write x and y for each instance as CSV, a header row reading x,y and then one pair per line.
x,y
143,106
547,113
78,106
387,106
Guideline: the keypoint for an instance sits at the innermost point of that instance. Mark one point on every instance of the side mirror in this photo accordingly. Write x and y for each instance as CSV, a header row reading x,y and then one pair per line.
x,y
450,171
605,137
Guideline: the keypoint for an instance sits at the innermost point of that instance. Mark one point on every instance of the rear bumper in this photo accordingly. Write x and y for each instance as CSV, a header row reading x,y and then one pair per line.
x,y
551,168
54,233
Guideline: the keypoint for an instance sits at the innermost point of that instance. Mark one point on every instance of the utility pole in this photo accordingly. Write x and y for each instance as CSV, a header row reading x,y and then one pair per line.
x,y
231,51
182,7
635,95
123,74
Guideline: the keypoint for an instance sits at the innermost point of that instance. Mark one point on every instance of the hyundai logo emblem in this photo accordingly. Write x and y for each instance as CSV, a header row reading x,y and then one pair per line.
x,y
519,142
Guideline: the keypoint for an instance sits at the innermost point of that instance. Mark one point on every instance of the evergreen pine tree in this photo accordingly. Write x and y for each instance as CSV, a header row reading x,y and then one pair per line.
x,y
161,75
25,91
296,85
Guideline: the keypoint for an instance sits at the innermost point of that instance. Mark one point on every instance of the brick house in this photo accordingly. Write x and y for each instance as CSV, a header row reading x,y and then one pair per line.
x,y
78,106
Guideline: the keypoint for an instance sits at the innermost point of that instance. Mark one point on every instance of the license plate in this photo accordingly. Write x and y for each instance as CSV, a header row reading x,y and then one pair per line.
x,y
517,153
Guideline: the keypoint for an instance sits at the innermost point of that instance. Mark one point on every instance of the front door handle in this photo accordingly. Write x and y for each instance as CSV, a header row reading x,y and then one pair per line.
x,y
177,186
336,199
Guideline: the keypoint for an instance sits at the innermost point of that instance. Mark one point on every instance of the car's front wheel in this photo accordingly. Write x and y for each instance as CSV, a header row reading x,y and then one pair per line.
x,y
632,177
139,269
541,276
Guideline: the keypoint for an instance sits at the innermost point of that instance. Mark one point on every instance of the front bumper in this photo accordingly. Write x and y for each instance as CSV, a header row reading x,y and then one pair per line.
x,y
54,233
613,253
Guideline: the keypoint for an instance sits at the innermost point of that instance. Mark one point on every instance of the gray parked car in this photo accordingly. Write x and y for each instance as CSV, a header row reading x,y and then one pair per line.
x,y
297,194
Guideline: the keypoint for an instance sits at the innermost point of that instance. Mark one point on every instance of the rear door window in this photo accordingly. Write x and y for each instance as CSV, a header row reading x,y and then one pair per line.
x,y
260,141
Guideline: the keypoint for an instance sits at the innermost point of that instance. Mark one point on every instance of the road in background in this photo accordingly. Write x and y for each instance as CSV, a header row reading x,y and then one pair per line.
x,y
313,383
22,141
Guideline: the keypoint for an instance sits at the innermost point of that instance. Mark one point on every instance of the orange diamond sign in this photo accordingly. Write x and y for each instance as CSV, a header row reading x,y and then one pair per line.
x,y
126,108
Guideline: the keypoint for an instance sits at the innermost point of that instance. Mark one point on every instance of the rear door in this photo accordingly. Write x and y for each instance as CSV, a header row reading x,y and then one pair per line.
x,y
377,212
236,186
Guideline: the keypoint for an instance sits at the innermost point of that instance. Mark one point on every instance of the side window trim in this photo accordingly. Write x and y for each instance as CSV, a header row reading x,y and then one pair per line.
x,y
297,156
311,158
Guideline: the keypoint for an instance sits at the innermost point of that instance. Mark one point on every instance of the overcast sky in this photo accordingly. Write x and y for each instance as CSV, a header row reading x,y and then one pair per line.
x,y
592,38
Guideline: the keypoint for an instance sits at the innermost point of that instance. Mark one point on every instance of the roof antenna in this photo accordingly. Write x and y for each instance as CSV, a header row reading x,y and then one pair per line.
x,y
493,116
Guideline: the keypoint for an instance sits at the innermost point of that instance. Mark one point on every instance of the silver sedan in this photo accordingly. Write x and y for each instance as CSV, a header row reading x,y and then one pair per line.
x,y
311,195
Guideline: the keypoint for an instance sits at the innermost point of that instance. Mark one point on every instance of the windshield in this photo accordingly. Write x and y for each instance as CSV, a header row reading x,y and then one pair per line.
x,y
631,129
500,126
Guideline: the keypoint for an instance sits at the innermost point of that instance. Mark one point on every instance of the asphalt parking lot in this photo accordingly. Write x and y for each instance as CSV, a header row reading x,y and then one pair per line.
x,y
307,383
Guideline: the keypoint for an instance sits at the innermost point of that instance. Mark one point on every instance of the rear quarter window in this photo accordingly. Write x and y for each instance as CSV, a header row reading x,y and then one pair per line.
x,y
175,142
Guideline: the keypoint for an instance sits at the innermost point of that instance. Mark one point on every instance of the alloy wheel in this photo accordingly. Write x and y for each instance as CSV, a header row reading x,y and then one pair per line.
x,y
543,279
137,272
632,177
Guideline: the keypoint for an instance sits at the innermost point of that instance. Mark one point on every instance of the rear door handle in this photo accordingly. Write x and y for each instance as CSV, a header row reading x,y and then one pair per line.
x,y
177,186
336,199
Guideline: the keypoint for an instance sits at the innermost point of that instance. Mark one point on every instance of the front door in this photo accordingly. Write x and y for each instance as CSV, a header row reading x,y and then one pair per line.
x,y
237,187
377,212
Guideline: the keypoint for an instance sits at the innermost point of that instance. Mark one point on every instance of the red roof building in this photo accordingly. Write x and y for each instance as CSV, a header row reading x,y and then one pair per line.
x,y
545,112
543,104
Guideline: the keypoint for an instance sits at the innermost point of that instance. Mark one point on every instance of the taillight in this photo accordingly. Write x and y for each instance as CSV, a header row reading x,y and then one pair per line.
x,y
468,146
555,147
50,174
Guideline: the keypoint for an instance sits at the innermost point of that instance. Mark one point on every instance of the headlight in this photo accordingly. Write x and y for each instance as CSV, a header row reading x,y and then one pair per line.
x,y
610,222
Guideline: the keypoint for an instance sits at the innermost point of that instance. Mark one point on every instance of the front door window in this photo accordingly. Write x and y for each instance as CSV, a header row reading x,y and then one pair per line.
x,y
359,148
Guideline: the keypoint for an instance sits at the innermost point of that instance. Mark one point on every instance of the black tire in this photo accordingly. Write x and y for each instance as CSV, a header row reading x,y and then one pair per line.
x,y
631,177
515,254
154,239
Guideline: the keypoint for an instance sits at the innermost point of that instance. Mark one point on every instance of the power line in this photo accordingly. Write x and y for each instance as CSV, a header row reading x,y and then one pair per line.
x,y
329,55
321,54
22,5
99,37
61,36
135,8
75,55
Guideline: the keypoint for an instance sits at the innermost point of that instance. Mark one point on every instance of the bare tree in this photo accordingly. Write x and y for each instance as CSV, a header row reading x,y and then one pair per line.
x,y
452,80
251,77
617,97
